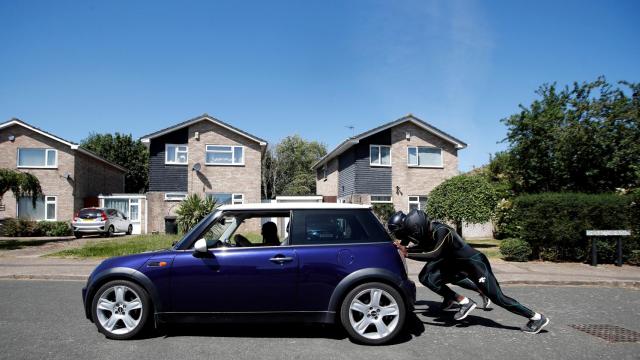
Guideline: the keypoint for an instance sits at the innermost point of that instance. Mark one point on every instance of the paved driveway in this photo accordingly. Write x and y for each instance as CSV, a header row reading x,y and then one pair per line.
x,y
44,319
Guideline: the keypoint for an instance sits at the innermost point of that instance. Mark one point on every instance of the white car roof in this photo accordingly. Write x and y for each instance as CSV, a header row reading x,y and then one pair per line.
x,y
293,206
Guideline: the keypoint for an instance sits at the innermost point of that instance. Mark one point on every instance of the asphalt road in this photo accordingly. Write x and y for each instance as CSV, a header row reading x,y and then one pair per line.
x,y
45,320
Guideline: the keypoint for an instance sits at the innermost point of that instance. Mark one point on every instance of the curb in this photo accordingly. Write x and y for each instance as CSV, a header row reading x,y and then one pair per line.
x,y
45,277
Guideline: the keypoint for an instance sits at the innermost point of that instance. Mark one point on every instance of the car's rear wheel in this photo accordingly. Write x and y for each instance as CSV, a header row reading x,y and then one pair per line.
x,y
110,231
373,313
120,309
78,235
130,229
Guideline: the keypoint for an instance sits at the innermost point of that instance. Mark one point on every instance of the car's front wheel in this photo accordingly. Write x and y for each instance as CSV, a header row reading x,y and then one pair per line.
x,y
373,313
120,309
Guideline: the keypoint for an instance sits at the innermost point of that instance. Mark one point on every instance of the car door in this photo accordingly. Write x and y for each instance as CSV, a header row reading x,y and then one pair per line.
x,y
251,279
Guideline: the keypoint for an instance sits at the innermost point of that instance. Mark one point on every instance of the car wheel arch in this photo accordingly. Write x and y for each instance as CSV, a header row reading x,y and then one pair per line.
x,y
360,277
121,273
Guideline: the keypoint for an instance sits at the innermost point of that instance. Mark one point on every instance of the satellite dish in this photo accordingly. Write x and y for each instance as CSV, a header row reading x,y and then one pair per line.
x,y
196,167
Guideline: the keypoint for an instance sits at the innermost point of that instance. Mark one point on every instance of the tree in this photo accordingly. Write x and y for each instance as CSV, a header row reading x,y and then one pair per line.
x,y
123,150
584,138
463,198
20,183
287,167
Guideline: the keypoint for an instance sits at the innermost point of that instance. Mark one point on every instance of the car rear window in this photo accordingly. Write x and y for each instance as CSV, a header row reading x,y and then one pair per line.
x,y
320,227
89,213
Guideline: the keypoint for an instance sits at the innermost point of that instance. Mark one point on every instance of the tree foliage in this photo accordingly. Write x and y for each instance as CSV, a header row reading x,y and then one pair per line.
x,y
583,138
123,150
20,183
286,169
193,209
463,198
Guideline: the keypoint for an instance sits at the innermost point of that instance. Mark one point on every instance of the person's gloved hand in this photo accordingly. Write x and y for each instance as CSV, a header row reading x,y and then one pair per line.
x,y
402,248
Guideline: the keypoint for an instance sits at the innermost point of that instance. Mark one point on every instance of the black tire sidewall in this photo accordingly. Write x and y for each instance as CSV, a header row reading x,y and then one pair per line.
x,y
110,231
146,309
344,313
130,230
77,235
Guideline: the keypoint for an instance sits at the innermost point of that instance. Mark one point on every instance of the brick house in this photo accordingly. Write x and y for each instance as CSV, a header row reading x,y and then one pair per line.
x,y
399,163
71,177
205,156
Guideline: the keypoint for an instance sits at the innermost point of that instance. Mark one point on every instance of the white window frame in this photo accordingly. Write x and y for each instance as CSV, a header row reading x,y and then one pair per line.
x,y
132,203
381,201
46,159
47,201
238,201
416,201
175,196
417,164
175,161
232,152
379,160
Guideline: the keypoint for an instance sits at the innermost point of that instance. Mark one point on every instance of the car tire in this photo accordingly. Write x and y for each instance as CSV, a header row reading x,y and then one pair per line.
x,y
121,309
78,235
130,229
373,313
109,232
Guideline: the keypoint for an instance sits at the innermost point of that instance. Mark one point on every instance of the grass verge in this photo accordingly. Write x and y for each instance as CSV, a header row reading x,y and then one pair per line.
x,y
489,247
119,246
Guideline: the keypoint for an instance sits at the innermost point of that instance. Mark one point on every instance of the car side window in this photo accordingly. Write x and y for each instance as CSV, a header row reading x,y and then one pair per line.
x,y
111,212
314,227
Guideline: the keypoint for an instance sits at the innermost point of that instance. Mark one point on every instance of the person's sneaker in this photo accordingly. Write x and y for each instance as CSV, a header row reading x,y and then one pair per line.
x,y
449,305
534,326
486,302
465,310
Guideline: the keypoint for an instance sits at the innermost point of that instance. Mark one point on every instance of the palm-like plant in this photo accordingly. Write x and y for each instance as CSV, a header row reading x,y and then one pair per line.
x,y
193,209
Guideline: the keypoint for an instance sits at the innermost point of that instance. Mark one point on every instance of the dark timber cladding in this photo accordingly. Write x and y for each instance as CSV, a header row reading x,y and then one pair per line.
x,y
167,177
357,176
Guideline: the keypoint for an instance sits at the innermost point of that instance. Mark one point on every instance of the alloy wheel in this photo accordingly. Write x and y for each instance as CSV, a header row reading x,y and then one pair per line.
x,y
119,309
374,313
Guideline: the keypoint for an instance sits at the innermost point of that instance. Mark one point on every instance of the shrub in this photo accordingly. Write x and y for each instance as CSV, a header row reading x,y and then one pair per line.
x,y
555,224
504,225
193,209
383,211
27,228
515,250
634,258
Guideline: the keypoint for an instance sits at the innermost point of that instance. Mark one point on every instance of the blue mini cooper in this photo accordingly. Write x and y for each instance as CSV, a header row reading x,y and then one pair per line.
x,y
311,262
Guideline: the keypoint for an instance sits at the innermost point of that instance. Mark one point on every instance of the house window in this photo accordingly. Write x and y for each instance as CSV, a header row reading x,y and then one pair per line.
x,y
176,154
129,207
37,158
45,209
226,198
417,202
324,172
175,196
380,199
424,156
224,155
380,155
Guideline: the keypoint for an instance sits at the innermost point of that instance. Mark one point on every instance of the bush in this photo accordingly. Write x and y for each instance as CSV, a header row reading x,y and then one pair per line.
x,y
30,228
555,224
193,209
634,258
503,224
515,250
383,211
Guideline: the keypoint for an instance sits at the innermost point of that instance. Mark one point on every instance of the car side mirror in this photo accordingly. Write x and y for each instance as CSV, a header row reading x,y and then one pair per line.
x,y
200,246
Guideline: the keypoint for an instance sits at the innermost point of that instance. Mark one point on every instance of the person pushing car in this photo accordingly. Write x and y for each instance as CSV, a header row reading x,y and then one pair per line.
x,y
448,256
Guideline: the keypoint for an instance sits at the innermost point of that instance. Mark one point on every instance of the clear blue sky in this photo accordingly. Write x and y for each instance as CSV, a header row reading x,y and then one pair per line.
x,y
276,68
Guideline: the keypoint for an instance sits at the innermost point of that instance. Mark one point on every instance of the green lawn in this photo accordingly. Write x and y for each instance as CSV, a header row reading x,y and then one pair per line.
x,y
487,246
119,246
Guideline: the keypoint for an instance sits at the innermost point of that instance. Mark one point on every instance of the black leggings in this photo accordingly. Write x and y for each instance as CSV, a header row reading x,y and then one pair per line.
x,y
435,275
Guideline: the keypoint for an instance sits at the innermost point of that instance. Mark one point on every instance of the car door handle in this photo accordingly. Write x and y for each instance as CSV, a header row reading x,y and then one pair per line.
x,y
281,259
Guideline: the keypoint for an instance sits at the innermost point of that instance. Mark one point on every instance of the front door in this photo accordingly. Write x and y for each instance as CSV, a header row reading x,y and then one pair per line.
x,y
253,279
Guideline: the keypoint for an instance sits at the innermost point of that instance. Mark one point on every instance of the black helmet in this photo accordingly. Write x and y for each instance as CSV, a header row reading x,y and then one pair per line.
x,y
417,226
396,222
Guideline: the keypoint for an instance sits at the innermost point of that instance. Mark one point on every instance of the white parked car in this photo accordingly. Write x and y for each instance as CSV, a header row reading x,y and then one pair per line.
x,y
102,221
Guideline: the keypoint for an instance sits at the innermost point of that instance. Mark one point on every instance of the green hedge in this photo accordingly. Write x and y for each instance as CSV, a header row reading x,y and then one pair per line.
x,y
515,250
555,224
28,228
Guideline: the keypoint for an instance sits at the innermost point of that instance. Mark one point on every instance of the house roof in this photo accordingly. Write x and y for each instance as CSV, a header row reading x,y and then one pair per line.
x,y
349,142
72,145
205,116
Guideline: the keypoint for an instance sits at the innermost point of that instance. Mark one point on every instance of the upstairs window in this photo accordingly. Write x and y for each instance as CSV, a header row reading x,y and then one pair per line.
x,y
37,158
176,154
380,155
424,156
224,155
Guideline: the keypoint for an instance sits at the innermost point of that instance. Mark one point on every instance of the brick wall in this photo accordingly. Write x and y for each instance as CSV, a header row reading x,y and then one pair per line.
x,y
408,181
158,209
52,180
93,177
328,186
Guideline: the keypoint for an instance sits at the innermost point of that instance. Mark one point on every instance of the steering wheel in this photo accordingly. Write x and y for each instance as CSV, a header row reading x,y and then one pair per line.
x,y
242,241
